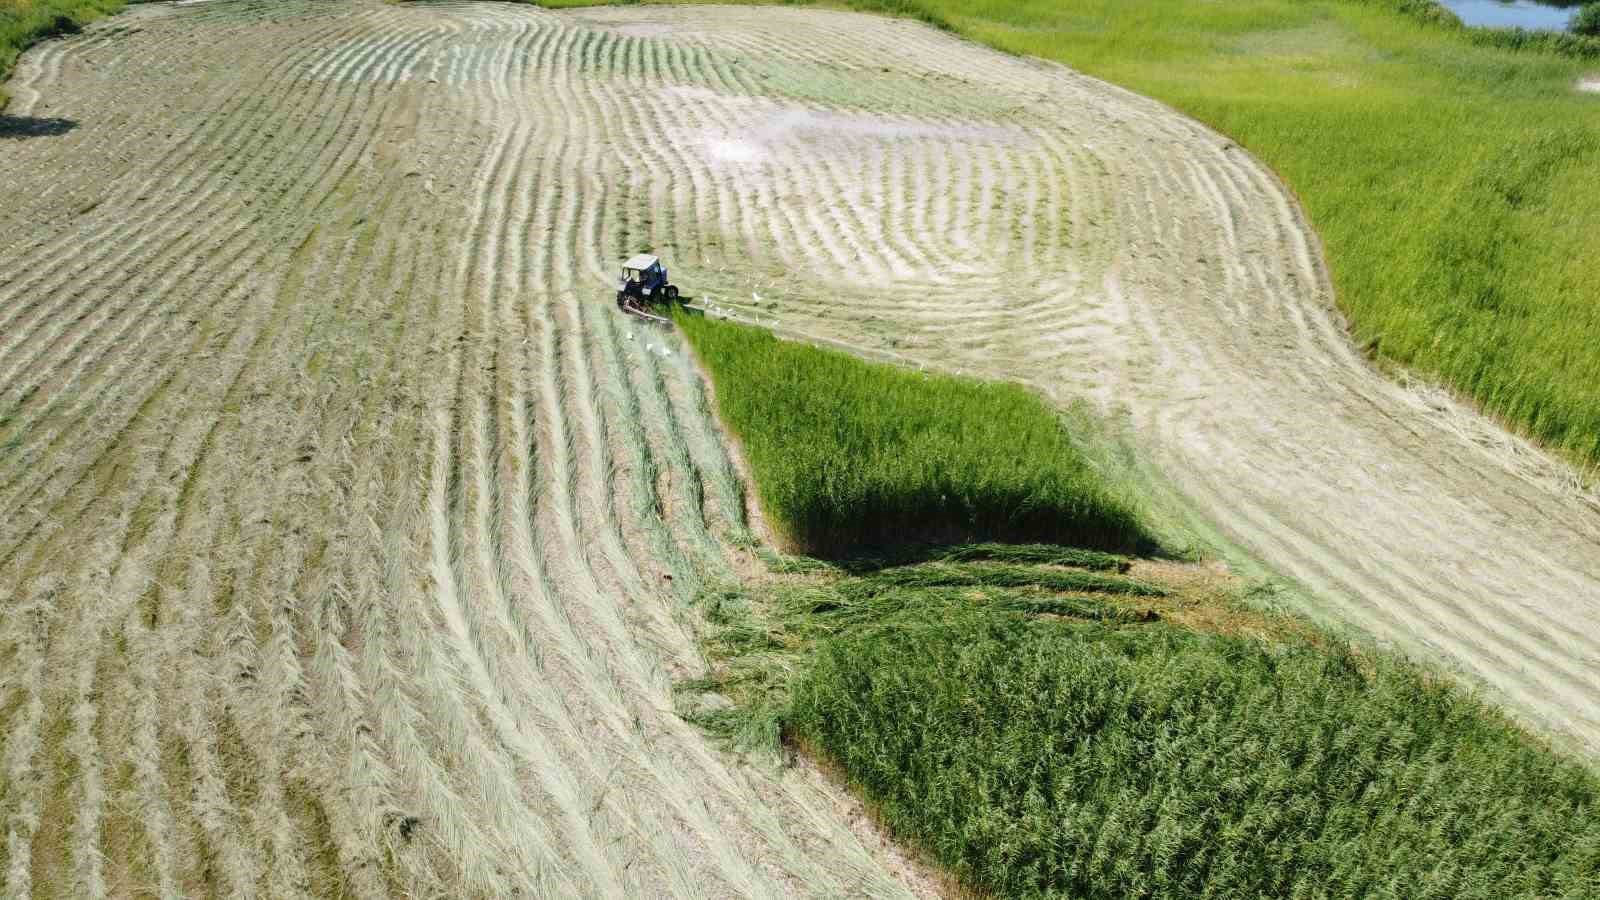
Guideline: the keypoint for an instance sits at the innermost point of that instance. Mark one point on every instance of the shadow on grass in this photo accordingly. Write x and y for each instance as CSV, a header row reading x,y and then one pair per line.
x,y
866,561
19,128
870,557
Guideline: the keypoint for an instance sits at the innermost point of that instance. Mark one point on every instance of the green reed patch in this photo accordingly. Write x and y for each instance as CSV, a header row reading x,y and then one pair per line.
x,y
846,453
1040,740
1036,757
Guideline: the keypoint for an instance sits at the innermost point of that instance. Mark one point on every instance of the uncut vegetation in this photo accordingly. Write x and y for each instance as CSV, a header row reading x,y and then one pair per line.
x,y
1043,740
1587,21
847,453
22,22
1057,758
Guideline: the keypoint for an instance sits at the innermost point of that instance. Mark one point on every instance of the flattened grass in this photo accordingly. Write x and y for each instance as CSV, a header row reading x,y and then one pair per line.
x,y
849,454
762,638
23,22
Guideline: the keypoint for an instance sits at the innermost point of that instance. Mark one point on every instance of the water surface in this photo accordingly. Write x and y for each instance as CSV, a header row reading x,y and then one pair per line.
x,y
1512,13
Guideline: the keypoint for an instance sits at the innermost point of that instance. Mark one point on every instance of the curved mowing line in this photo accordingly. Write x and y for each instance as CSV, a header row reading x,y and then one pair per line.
x,y
149,324
656,838
406,505
257,663
179,171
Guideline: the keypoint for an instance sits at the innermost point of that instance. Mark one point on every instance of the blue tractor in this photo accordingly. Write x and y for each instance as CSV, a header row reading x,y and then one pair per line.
x,y
644,281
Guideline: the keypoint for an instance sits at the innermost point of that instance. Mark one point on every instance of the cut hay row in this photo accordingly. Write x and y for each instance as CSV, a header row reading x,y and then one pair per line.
x,y
71,416
336,679
347,533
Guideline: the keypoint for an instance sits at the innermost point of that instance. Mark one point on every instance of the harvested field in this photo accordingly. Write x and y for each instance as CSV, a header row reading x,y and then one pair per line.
x,y
347,532
1009,218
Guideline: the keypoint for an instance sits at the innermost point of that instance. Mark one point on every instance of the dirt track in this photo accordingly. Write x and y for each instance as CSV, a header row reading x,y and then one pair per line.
x,y
337,506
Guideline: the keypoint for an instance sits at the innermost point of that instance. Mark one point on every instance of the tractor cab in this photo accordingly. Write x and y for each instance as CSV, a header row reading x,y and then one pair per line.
x,y
644,280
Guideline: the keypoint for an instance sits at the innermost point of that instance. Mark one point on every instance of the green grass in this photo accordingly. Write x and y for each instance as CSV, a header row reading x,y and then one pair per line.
x,y
1448,171
23,22
847,453
1040,741
763,637
1054,758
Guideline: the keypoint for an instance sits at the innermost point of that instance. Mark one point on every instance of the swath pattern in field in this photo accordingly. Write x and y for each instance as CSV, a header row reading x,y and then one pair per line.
x,y
347,532
338,507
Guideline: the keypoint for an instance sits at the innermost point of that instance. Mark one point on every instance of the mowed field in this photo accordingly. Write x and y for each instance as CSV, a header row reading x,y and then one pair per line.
x,y
348,533
346,530
1049,228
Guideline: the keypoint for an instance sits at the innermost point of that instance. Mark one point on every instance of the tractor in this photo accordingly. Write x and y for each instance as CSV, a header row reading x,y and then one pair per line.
x,y
644,281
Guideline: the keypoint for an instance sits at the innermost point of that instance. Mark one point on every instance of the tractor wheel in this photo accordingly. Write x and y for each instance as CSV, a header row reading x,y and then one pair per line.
x,y
672,293
622,300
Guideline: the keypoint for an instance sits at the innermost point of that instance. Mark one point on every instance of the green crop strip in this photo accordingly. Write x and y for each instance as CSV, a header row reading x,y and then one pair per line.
x,y
848,454
1074,759
23,22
